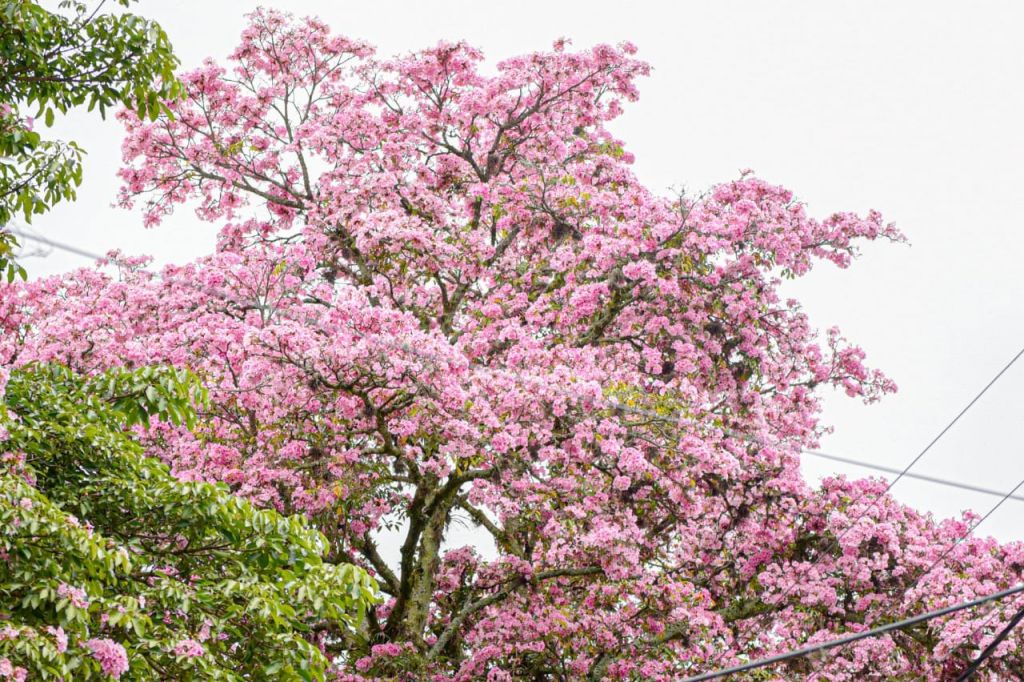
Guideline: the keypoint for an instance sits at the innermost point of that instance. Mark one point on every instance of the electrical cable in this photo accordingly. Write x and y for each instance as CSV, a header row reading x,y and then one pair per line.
x,y
903,472
836,542
920,477
57,245
991,648
874,632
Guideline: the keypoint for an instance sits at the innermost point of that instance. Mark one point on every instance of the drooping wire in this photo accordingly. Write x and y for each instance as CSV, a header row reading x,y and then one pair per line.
x,y
874,632
903,472
919,477
992,646
836,542
57,245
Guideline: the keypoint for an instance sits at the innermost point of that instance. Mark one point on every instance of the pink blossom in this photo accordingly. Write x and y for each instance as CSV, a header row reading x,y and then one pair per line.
x,y
60,638
111,656
189,648
75,595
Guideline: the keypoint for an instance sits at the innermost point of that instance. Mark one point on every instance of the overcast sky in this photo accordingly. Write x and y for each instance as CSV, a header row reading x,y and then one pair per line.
x,y
913,108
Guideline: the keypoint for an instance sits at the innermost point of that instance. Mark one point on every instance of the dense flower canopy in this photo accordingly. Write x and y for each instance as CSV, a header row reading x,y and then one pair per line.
x,y
441,296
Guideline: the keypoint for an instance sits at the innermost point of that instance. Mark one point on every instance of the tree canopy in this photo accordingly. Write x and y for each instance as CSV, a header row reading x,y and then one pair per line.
x,y
51,62
441,296
112,567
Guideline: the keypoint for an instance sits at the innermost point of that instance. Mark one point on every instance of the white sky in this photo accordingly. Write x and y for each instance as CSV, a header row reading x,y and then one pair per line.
x,y
913,108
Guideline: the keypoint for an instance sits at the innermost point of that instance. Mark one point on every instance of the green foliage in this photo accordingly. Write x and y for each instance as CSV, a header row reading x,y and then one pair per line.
x,y
164,392
8,268
51,62
159,560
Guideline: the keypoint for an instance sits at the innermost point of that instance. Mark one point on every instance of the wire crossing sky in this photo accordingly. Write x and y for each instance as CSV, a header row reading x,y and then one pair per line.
x,y
874,632
991,648
910,474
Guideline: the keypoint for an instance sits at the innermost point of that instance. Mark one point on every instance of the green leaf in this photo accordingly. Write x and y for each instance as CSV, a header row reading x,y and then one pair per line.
x,y
237,575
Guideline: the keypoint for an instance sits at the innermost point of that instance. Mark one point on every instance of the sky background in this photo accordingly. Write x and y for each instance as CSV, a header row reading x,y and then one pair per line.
x,y
912,108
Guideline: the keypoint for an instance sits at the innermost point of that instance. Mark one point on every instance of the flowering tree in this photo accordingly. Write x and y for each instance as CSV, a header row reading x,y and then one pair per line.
x,y
440,296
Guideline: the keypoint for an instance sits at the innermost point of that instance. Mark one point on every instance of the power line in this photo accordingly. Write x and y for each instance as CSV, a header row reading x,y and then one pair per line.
x,y
960,539
58,245
966,535
991,648
920,477
837,541
957,418
903,472
874,632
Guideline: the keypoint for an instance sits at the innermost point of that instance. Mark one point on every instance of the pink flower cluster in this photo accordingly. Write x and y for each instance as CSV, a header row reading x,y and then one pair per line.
x,y
111,656
75,595
189,648
11,672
